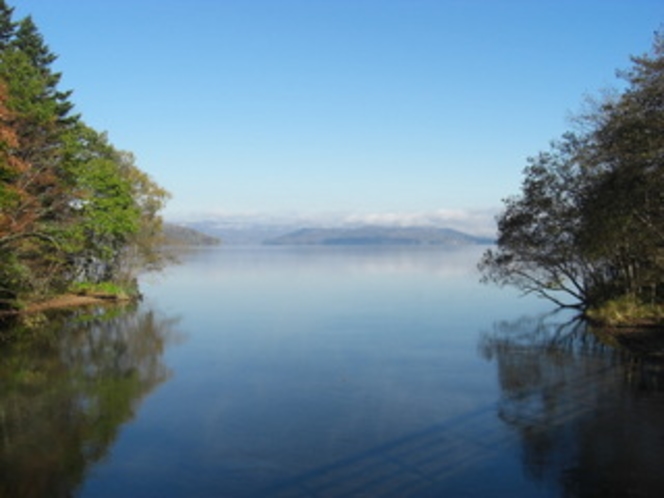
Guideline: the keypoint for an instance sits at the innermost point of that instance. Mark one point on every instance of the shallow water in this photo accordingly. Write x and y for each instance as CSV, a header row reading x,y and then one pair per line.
x,y
318,371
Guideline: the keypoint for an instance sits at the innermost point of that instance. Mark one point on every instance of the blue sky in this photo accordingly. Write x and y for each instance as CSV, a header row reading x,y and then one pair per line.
x,y
368,109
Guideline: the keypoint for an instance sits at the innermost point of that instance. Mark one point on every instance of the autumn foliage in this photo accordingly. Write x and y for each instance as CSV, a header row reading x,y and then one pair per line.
x,y
73,208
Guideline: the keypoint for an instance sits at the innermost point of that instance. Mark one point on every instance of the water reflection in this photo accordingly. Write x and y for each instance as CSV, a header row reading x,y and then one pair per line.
x,y
327,373
443,262
588,415
65,390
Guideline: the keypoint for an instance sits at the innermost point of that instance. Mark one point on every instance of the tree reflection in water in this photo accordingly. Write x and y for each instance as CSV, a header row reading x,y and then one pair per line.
x,y
65,390
588,414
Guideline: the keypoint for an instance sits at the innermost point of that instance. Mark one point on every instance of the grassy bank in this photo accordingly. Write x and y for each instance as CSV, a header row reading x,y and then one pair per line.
x,y
78,295
628,312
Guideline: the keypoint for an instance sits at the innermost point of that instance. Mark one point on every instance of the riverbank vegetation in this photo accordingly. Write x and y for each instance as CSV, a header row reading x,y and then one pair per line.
x,y
587,228
74,210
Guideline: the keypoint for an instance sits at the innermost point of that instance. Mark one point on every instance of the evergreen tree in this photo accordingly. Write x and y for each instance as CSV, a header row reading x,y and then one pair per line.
x,y
30,42
72,207
7,25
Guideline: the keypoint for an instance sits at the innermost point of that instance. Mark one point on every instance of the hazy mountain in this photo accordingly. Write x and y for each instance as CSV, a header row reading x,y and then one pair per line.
x,y
252,230
378,235
241,233
186,236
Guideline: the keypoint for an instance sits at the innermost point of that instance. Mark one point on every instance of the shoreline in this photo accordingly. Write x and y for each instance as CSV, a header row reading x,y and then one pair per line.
x,y
66,301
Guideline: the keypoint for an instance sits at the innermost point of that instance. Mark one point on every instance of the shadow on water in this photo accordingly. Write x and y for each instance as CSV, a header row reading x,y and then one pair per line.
x,y
585,417
422,463
66,387
588,415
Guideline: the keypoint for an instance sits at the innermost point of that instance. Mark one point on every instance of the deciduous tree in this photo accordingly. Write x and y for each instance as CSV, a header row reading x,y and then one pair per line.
x,y
589,221
72,207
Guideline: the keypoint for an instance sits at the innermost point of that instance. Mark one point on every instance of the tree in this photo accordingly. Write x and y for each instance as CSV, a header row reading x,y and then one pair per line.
x,y
73,208
143,249
34,263
589,221
14,218
626,207
101,210
537,247
114,223
29,41
7,25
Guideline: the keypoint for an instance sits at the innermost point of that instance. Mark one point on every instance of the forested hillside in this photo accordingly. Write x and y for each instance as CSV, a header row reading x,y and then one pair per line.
x,y
73,208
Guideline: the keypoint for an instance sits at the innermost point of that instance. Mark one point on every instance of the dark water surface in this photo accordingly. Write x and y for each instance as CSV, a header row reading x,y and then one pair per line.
x,y
321,372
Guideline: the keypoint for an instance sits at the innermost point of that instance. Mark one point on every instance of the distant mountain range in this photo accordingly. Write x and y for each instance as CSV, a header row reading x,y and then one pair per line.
x,y
292,234
377,235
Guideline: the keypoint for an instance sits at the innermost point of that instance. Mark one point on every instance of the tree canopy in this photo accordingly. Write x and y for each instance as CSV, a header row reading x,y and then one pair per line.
x,y
73,208
587,227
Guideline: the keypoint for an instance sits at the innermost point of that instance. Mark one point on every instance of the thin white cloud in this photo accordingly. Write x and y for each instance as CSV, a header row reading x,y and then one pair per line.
x,y
476,222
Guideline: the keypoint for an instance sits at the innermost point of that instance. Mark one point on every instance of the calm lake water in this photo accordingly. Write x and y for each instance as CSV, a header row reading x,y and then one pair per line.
x,y
326,372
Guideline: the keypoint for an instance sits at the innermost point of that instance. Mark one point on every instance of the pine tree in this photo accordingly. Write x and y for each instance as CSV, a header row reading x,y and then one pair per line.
x,y
7,25
29,41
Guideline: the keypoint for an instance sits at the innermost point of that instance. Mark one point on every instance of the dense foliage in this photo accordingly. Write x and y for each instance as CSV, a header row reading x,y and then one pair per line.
x,y
72,207
589,220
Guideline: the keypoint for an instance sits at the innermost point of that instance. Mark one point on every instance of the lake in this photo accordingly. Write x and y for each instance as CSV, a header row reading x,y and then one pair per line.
x,y
326,372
